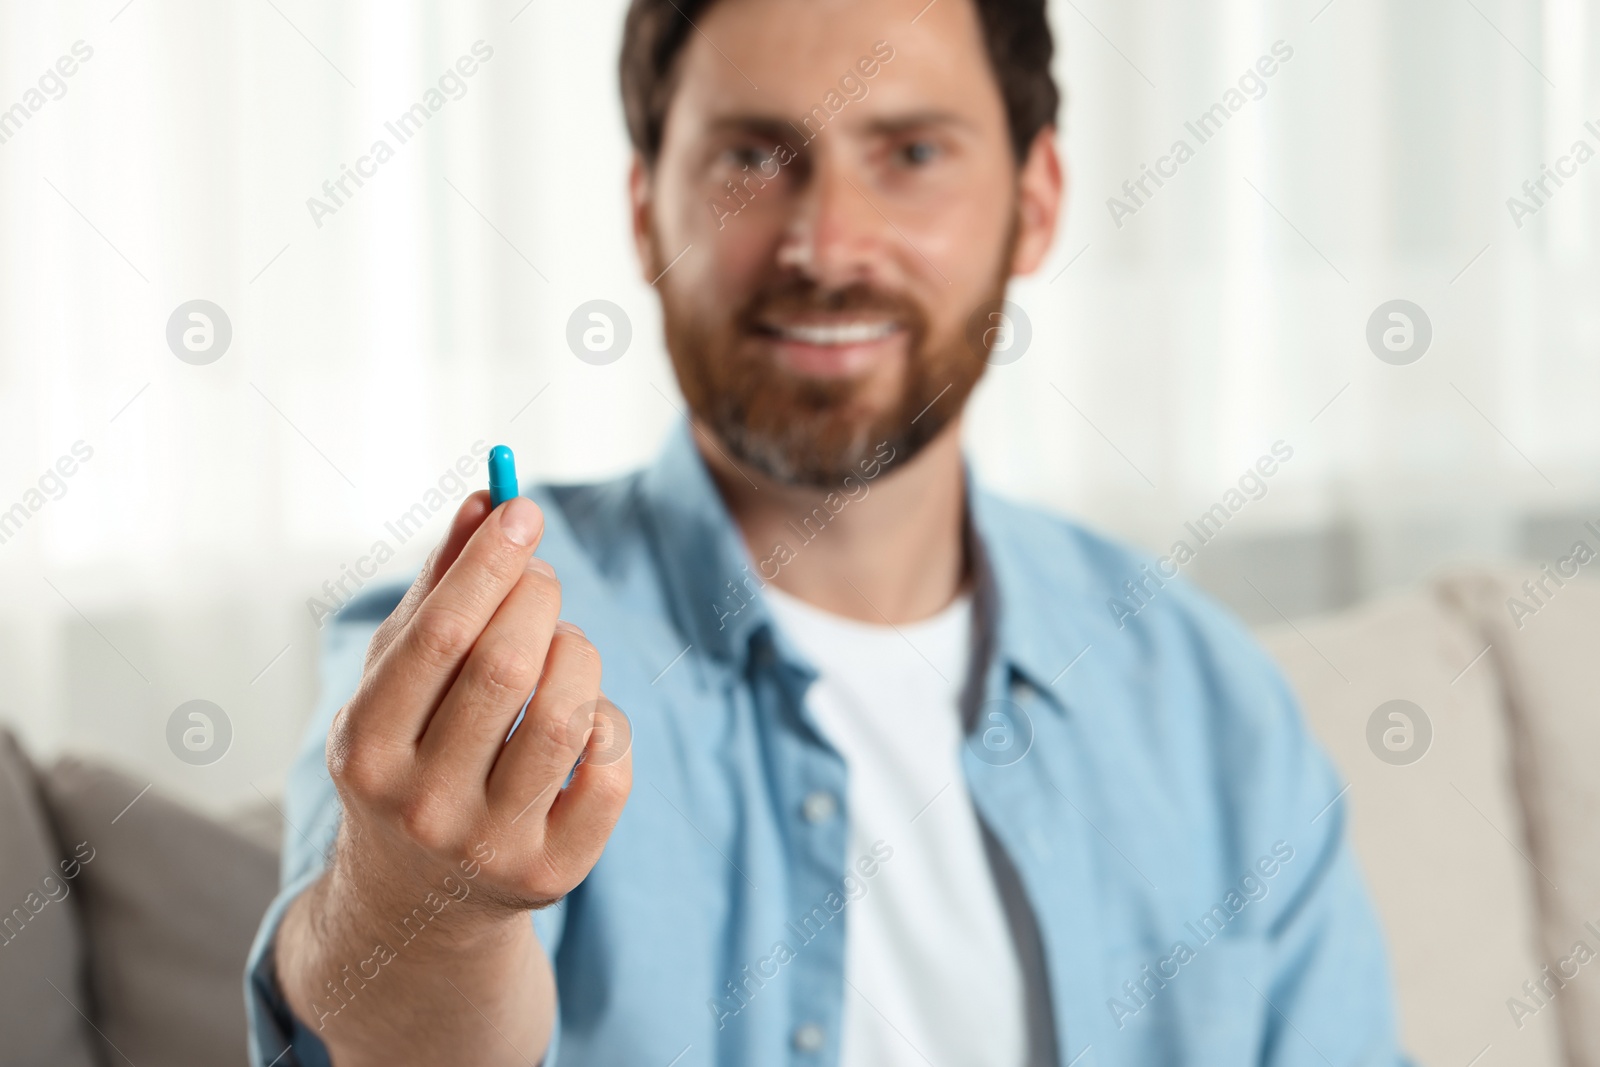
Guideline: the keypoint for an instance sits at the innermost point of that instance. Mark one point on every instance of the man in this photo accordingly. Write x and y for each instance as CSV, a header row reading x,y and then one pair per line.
x,y
893,785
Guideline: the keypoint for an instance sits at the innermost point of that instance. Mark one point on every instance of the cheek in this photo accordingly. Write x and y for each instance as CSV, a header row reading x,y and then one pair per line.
x,y
957,241
743,248
730,239
968,255
700,206
720,271
965,241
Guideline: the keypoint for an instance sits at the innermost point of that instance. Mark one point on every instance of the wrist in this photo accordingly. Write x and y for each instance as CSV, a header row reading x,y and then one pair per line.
x,y
423,908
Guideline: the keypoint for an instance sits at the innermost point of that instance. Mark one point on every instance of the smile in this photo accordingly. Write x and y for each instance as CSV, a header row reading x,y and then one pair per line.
x,y
842,333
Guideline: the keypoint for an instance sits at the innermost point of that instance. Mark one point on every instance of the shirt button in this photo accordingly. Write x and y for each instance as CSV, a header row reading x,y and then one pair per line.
x,y
819,806
809,1038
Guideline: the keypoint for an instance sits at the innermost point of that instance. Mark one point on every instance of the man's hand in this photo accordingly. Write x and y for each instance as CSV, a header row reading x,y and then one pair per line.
x,y
419,754
433,790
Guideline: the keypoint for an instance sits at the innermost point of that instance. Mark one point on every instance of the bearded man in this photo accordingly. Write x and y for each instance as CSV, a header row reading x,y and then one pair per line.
x,y
892,785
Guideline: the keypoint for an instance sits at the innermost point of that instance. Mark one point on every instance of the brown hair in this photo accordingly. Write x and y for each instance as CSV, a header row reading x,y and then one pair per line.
x,y
1016,34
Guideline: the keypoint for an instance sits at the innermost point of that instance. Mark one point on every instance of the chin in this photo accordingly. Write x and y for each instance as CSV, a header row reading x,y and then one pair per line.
x,y
818,451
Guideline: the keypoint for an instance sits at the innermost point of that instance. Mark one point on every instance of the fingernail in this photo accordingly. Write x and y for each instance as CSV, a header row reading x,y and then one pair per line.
x,y
542,566
521,520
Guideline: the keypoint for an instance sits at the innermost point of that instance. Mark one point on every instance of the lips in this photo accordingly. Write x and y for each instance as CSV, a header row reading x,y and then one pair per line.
x,y
836,346
858,332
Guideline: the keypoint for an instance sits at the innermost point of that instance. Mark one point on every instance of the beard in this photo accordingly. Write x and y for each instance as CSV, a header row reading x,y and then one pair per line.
x,y
813,432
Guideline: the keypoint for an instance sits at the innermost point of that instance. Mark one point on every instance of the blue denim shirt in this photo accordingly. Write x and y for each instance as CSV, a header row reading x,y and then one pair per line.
x,y
1173,827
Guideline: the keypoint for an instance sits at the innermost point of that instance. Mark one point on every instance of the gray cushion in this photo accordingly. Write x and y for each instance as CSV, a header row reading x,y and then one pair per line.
x,y
40,944
170,905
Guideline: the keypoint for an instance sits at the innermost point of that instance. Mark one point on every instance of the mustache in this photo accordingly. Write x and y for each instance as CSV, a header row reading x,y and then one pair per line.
x,y
800,296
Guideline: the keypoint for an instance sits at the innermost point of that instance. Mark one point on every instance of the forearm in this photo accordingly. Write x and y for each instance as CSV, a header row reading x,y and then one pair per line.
x,y
446,995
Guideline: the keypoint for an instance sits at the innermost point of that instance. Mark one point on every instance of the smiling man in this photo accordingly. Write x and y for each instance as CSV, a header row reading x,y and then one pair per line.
x,y
893,787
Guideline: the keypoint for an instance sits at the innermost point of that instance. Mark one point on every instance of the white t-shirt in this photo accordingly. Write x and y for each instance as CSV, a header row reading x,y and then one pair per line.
x,y
931,965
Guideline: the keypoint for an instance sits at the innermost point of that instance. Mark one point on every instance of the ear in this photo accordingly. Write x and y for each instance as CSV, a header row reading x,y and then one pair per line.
x,y
639,193
1041,184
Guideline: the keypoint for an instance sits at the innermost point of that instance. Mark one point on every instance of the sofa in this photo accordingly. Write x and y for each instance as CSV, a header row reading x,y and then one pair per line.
x,y
126,919
1483,854
1466,732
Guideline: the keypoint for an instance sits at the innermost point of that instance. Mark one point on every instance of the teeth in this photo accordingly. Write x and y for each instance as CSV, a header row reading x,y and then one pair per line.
x,y
854,333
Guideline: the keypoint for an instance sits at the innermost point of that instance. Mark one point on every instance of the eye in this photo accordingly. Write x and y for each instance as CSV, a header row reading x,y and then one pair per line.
x,y
917,153
748,155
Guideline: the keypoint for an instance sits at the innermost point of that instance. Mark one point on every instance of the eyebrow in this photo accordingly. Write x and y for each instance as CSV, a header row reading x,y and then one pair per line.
x,y
766,126
916,120
777,129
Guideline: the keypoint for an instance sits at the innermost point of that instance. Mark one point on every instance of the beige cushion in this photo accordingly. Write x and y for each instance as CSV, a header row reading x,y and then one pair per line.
x,y
1454,897
170,905
1551,664
40,944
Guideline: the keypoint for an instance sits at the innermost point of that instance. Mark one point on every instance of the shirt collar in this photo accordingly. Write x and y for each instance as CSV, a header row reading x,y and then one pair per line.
x,y
713,582
713,585
1035,585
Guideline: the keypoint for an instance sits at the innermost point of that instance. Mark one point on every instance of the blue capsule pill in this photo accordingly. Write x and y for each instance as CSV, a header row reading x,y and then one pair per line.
x,y
502,475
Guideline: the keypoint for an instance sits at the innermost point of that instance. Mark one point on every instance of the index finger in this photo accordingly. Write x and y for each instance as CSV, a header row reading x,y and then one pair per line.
x,y
468,517
417,667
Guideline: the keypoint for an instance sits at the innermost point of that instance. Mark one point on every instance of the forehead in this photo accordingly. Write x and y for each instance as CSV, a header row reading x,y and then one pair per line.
x,y
780,58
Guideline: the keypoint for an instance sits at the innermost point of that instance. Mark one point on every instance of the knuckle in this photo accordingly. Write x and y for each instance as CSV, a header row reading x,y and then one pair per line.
x,y
382,637
559,731
441,635
612,790
504,557
353,765
540,879
544,591
394,623
577,655
355,773
507,670
572,705
426,820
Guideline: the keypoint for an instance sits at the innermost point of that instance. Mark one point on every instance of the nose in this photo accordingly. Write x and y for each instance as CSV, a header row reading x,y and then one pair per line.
x,y
836,236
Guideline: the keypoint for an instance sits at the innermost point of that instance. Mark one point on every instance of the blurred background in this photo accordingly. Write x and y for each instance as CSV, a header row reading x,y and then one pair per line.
x,y
378,340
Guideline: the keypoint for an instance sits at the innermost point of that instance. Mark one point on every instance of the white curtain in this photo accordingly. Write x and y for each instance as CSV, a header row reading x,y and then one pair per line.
x,y
380,334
